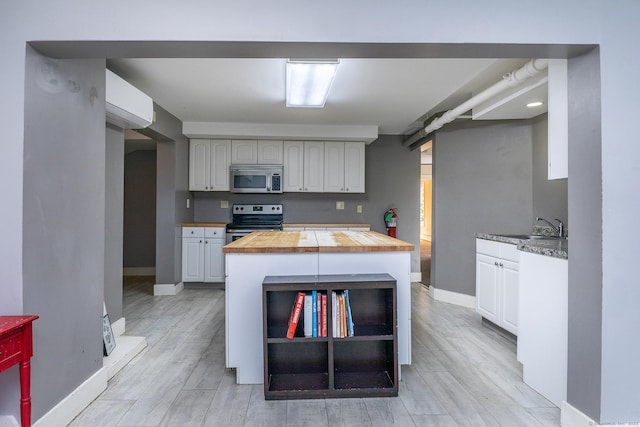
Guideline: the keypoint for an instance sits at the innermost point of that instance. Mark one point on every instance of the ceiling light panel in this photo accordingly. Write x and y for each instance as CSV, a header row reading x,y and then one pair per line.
x,y
309,82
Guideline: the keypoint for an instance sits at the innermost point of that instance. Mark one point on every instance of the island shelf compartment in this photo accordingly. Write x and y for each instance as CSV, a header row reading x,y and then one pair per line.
x,y
364,365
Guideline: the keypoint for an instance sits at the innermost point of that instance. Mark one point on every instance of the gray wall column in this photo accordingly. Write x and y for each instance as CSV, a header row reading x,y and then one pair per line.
x,y
584,375
113,229
64,217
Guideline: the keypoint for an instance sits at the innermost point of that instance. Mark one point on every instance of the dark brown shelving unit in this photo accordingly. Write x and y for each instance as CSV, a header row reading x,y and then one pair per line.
x,y
364,365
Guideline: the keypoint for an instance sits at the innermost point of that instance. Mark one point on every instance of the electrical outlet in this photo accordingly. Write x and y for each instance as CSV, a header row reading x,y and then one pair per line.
x,y
359,209
224,204
339,205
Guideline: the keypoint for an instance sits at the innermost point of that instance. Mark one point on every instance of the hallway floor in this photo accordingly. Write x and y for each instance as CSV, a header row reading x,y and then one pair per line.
x,y
463,374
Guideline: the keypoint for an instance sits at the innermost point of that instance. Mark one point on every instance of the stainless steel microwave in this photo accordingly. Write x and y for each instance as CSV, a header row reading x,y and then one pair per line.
x,y
256,178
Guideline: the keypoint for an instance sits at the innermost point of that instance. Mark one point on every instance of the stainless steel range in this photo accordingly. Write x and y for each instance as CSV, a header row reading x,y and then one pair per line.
x,y
249,218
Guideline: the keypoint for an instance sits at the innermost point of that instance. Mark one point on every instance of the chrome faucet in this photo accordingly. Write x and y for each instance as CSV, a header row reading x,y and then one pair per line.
x,y
559,229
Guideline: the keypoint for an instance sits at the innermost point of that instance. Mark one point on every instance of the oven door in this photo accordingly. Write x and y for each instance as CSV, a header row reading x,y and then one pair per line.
x,y
233,235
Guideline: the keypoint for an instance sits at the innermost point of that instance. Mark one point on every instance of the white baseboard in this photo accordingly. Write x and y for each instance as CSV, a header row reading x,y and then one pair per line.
x,y
126,349
167,289
118,327
572,417
139,271
452,297
416,277
65,411
8,421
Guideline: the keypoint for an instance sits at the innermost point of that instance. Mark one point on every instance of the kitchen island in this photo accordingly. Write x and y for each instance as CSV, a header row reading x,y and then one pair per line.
x,y
280,253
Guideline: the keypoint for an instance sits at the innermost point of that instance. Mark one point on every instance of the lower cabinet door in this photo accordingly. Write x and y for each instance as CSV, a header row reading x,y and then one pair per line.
x,y
213,260
192,259
487,289
509,301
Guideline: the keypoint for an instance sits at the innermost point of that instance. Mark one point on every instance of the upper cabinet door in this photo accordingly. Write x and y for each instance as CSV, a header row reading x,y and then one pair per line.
x,y
220,161
313,166
354,167
334,166
558,119
199,169
293,162
270,152
244,151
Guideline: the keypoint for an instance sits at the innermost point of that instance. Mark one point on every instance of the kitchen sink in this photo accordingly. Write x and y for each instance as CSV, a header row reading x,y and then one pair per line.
x,y
530,237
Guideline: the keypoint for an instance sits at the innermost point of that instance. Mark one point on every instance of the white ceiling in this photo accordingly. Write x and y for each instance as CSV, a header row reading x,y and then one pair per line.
x,y
394,94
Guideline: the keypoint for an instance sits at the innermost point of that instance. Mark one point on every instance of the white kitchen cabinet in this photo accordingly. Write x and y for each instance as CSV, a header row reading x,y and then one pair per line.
x,y
354,167
558,119
303,166
244,151
209,162
313,166
543,326
270,152
293,162
497,276
343,167
334,166
202,257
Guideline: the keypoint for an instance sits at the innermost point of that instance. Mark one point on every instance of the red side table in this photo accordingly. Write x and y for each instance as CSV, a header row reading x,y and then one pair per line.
x,y
16,346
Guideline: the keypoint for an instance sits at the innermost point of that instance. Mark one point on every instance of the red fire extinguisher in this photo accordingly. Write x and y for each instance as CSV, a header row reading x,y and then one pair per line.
x,y
391,219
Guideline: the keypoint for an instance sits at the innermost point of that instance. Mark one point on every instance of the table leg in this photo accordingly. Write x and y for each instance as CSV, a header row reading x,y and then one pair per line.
x,y
25,393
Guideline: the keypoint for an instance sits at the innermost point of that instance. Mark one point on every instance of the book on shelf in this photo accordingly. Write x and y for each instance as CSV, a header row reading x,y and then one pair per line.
x,y
308,331
324,315
295,315
349,318
334,315
319,316
314,314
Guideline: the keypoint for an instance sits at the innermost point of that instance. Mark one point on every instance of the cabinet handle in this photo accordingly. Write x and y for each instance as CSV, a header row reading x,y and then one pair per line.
x,y
501,265
495,263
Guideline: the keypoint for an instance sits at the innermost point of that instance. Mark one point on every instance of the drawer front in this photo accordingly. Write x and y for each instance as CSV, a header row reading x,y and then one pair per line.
x,y
214,232
509,252
488,247
9,347
192,231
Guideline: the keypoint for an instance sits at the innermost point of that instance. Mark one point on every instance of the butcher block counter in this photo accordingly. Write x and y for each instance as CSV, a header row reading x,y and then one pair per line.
x,y
282,253
316,241
204,224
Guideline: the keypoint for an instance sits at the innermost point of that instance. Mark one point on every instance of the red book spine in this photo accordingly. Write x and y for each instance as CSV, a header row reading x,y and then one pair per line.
x,y
295,315
324,315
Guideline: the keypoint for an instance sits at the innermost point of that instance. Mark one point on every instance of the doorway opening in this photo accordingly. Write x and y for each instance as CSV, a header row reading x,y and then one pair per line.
x,y
426,208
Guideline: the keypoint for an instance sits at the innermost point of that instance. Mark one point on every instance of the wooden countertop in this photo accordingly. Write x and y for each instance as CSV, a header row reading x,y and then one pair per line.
x,y
316,241
204,224
306,224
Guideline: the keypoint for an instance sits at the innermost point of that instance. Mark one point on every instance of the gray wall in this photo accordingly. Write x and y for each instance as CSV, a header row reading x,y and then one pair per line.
x,y
113,228
172,194
140,209
391,180
585,359
549,196
481,183
64,209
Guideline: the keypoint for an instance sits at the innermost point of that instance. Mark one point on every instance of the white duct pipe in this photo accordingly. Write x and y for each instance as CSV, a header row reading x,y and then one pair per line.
x,y
514,78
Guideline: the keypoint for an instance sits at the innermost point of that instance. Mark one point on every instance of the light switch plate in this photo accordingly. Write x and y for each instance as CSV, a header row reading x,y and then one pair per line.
x,y
359,209
224,204
339,205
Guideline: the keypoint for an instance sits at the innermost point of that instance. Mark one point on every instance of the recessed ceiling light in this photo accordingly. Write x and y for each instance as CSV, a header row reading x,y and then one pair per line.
x,y
534,104
309,81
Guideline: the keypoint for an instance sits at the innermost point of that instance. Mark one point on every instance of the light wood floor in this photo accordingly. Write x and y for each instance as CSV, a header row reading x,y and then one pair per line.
x,y
463,374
